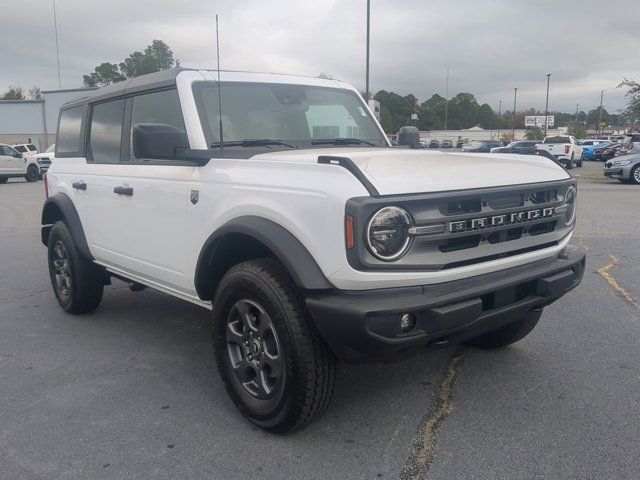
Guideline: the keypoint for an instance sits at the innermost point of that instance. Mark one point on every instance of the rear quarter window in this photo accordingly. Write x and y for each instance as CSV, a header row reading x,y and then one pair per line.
x,y
68,143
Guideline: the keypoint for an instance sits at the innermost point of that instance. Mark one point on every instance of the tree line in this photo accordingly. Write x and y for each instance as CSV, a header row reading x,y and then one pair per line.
x,y
463,111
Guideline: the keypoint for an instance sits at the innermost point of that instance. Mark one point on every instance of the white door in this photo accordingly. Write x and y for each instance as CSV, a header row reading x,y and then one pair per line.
x,y
5,161
136,208
12,163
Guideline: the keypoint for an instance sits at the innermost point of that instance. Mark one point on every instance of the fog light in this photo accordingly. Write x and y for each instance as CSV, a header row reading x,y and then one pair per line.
x,y
407,322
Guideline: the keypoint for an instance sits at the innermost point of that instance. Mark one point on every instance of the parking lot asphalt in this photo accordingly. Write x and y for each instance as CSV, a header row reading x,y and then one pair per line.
x,y
131,390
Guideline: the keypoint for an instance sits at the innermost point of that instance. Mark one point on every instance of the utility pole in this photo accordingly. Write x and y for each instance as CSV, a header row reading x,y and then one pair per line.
x,y
600,112
446,104
55,27
368,34
499,115
546,107
513,123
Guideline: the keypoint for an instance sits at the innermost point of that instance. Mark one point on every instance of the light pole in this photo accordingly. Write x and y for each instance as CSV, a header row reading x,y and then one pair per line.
x,y
513,124
499,115
368,31
546,107
55,26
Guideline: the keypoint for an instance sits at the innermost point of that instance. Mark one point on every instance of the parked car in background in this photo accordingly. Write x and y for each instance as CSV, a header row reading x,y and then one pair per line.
x,y
481,146
610,151
626,169
434,144
524,146
630,144
564,148
14,164
460,143
26,149
592,151
44,158
446,144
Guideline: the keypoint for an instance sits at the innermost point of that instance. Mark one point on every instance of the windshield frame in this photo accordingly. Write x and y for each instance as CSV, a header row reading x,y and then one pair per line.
x,y
197,86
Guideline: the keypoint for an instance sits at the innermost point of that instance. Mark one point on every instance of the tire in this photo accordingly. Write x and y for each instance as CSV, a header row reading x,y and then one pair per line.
x,y
32,174
4,180
635,175
77,282
510,333
261,330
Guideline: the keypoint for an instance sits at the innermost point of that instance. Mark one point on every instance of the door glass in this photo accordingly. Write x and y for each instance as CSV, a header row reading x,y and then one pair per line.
x,y
106,132
69,131
160,108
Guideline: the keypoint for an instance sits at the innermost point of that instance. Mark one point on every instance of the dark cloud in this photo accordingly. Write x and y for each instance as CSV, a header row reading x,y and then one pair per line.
x,y
490,46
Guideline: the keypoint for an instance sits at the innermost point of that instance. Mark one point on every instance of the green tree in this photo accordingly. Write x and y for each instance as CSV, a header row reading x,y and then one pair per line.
x,y
534,133
632,112
594,115
156,57
578,130
104,74
13,93
395,110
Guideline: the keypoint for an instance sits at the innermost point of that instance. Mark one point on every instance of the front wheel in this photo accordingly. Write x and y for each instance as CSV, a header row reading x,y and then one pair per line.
x,y
275,366
32,174
510,333
635,175
77,282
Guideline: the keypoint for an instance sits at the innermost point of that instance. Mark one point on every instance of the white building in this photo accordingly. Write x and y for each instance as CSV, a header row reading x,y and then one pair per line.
x,y
35,120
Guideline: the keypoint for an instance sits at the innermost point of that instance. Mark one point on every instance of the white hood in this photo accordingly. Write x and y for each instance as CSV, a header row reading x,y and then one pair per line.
x,y
397,171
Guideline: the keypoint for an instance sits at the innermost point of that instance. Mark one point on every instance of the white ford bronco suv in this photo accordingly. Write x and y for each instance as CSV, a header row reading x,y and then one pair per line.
x,y
278,202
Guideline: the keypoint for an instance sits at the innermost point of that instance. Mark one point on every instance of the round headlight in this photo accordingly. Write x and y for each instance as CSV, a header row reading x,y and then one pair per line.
x,y
570,203
387,233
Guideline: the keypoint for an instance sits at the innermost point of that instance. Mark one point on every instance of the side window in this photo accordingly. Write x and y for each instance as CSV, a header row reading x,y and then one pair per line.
x,y
69,132
31,148
105,137
157,126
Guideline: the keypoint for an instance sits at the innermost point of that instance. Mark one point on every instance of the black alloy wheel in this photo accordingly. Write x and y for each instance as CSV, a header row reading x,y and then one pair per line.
x,y
254,349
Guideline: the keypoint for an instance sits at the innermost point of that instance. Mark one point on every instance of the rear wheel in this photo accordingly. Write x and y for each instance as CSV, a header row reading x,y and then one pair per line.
x,y
508,334
635,175
77,282
275,366
32,174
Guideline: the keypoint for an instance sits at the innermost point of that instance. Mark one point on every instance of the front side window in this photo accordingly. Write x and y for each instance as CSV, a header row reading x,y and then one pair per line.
x,y
69,131
158,108
105,136
298,115
9,151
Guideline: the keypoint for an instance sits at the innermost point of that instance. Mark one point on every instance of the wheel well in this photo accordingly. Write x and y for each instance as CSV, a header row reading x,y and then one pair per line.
x,y
51,213
227,251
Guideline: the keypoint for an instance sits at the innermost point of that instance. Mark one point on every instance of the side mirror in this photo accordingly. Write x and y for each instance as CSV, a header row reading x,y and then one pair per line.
x,y
409,136
157,141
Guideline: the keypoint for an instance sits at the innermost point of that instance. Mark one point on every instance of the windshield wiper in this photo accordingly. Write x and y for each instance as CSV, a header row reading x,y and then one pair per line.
x,y
341,141
251,142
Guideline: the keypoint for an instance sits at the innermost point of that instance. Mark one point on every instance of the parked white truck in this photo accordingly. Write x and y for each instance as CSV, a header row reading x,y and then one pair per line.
x,y
291,217
564,148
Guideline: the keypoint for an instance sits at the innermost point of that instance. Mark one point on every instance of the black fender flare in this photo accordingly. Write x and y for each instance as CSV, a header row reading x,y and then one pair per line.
x,y
300,264
61,207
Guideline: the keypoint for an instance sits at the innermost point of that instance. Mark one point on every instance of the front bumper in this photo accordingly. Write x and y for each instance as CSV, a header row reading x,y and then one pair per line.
x,y
364,326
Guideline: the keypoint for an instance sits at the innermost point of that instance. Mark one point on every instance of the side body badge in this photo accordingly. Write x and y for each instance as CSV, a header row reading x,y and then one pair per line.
x,y
195,196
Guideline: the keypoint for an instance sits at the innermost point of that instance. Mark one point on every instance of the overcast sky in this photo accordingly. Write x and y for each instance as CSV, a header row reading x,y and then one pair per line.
x,y
490,46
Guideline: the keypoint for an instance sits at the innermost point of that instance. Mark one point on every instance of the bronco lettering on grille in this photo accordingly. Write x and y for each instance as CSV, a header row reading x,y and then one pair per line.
x,y
501,220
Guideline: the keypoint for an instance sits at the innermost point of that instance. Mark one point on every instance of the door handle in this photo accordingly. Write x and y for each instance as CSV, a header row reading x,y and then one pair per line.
x,y
123,190
79,185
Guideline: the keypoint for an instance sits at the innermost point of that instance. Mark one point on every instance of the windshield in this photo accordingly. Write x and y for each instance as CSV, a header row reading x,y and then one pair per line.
x,y
52,148
292,115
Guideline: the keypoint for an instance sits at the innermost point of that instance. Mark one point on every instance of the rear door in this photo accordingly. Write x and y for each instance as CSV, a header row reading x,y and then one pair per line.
x,y
137,207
